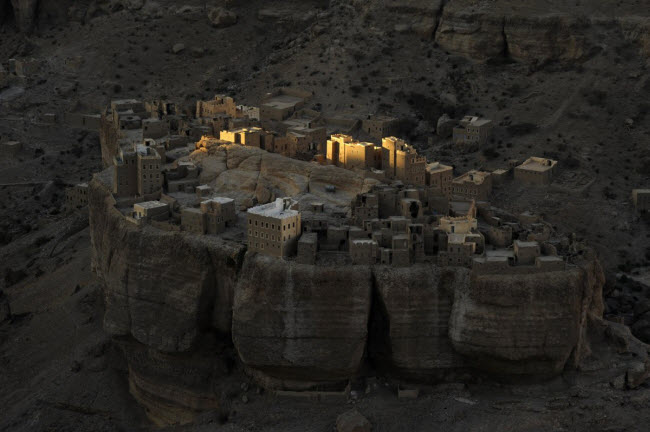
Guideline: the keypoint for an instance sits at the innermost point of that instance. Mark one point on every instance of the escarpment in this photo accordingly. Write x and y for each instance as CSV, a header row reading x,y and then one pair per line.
x,y
185,307
533,34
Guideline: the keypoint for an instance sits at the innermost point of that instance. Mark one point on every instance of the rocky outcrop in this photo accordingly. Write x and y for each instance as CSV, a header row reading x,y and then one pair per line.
x,y
300,325
533,35
525,323
184,307
160,288
252,176
25,13
221,18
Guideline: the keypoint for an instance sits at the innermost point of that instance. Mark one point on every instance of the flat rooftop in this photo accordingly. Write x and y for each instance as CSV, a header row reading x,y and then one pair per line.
x,y
151,204
438,167
537,164
220,200
476,177
275,209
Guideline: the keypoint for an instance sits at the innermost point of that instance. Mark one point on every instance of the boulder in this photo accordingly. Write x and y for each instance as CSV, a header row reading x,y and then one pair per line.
x,y
445,126
352,421
221,18
178,48
134,4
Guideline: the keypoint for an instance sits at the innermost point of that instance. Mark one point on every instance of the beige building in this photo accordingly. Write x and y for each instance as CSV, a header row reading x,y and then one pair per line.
x,y
212,216
137,172
439,177
274,228
219,105
219,213
526,252
641,199
536,171
472,130
401,161
344,151
10,148
379,126
76,196
151,210
281,104
363,251
473,184
250,137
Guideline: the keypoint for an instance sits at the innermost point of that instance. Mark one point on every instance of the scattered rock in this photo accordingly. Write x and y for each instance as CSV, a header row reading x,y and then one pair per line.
x,y
425,28
352,421
152,9
134,4
221,18
178,48
637,373
197,52
244,399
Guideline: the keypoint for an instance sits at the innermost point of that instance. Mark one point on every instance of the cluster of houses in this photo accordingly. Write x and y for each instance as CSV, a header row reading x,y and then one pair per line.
x,y
420,212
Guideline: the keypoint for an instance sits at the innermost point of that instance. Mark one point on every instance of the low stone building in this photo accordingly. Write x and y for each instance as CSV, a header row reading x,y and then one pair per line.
x,y
472,130
473,184
439,176
307,248
273,229
363,251
536,171
76,196
379,126
151,210
641,199
526,252
10,148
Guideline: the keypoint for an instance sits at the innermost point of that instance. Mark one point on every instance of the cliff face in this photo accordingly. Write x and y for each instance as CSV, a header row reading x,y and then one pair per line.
x,y
176,303
531,34
523,323
416,304
160,288
301,325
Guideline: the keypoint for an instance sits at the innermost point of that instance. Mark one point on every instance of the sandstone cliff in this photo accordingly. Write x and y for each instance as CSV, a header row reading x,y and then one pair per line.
x,y
177,303
524,323
301,325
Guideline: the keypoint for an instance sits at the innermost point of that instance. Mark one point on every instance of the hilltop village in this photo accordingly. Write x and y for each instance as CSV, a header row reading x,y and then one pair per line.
x,y
416,211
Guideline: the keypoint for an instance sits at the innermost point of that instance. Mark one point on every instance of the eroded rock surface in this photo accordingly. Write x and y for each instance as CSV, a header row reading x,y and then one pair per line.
x,y
525,323
295,322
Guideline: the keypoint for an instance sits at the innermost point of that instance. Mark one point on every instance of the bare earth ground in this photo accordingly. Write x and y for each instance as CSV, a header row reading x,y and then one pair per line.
x,y
58,370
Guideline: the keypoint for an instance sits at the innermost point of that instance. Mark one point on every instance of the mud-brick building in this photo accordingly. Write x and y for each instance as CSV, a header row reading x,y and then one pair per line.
x,y
472,130
76,196
476,185
273,229
536,171
137,172
401,161
641,199
439,177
